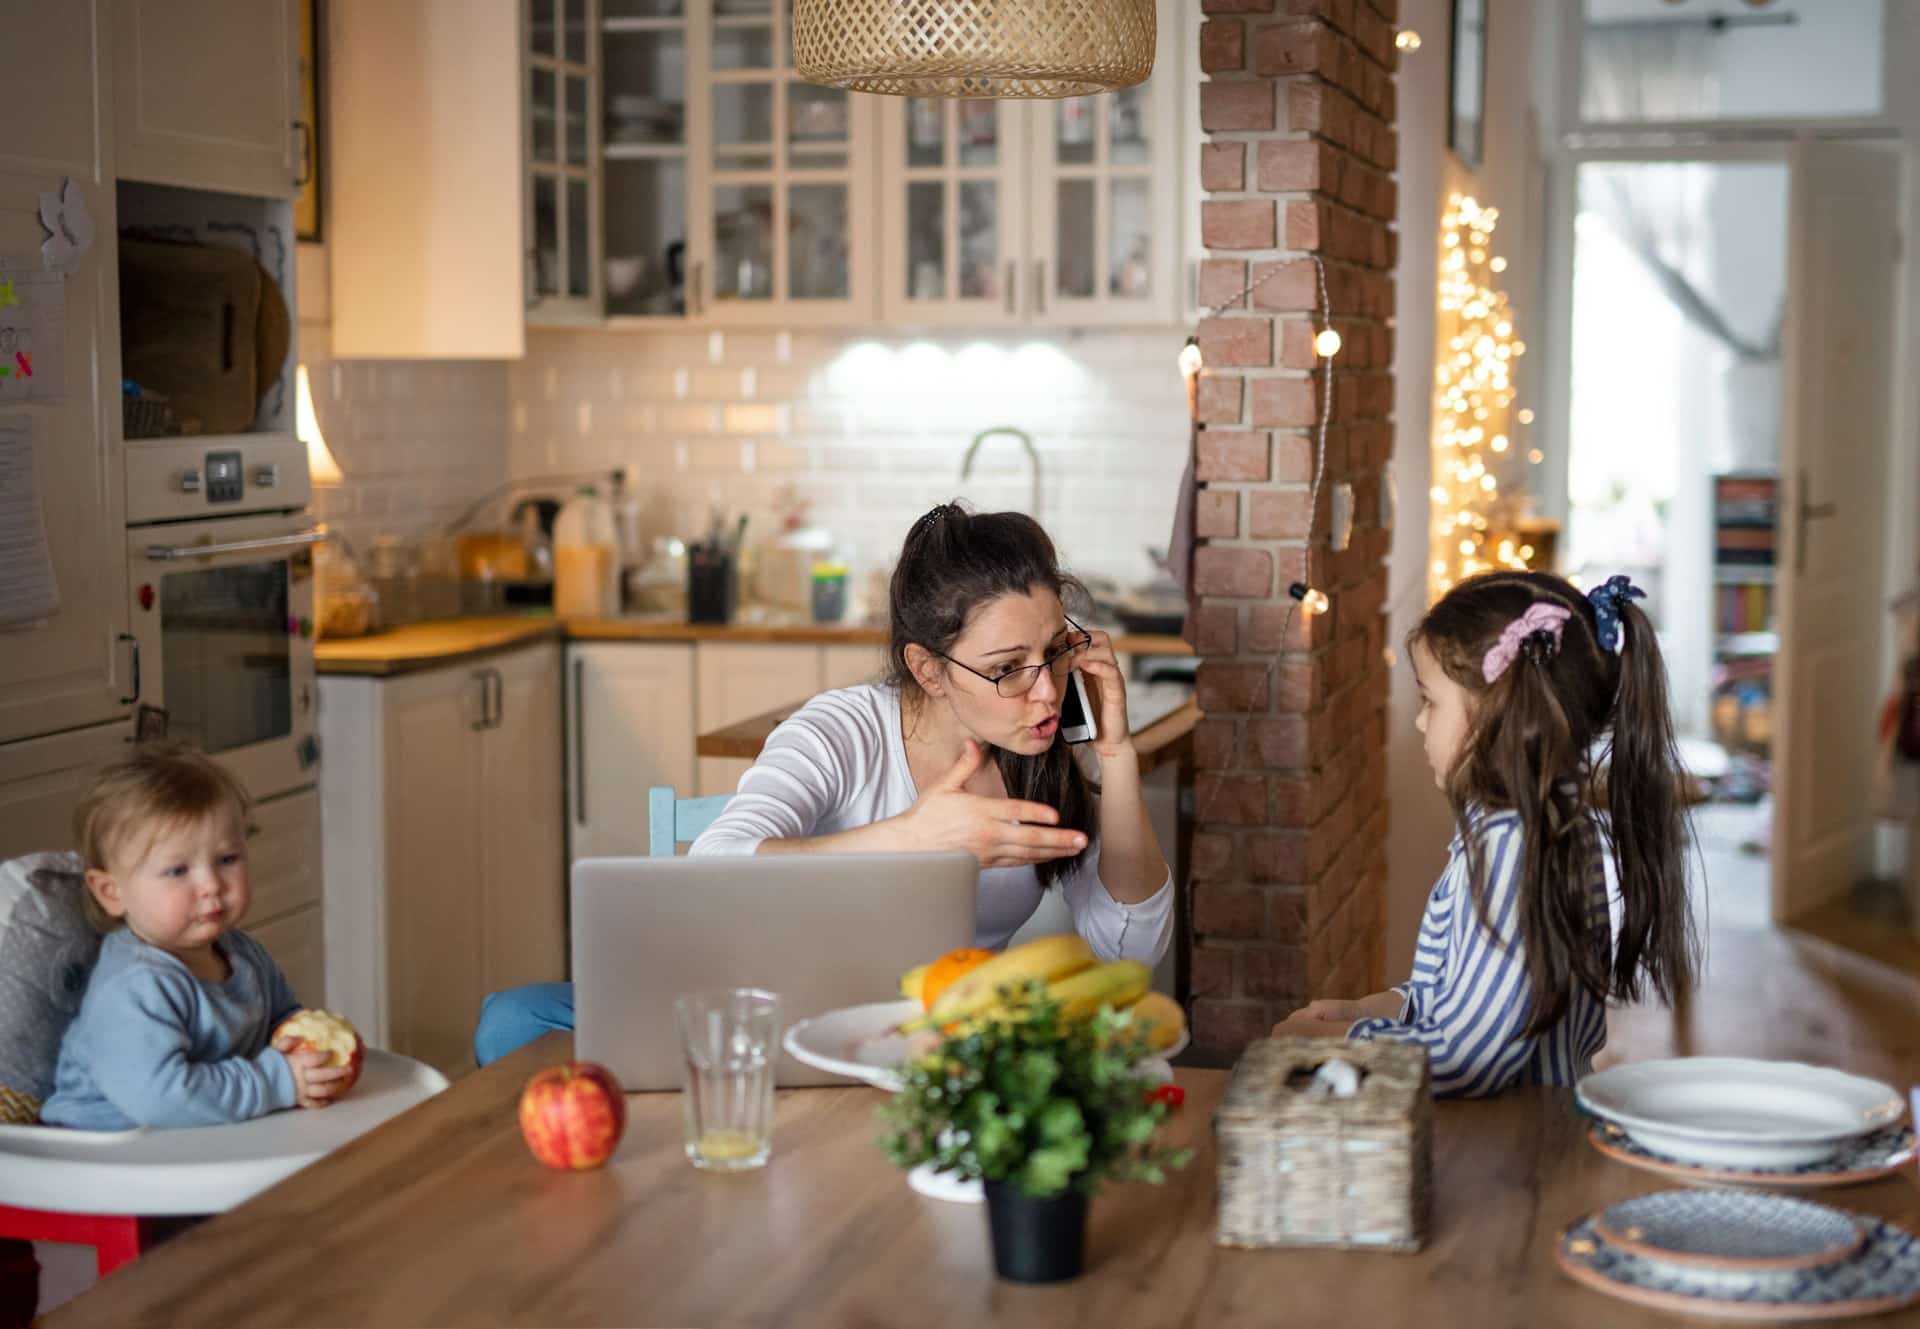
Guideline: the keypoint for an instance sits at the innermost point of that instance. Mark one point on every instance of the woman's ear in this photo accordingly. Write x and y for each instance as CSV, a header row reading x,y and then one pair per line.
x,y
106,893
926,670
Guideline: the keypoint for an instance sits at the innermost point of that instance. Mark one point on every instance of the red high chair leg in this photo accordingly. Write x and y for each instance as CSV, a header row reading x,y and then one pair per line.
x,y
115,1238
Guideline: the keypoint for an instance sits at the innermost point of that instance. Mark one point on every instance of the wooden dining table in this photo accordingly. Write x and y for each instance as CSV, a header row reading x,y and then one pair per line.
x,y
442,1217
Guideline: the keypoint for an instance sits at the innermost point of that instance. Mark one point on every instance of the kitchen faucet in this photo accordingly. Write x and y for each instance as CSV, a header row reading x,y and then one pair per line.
x,y
1033,459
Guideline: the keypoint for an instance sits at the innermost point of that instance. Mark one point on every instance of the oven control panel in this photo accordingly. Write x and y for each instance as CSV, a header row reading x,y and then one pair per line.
x,y
174,478
224,484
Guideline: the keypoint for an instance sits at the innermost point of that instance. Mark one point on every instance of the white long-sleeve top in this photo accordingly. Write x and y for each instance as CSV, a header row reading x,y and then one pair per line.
x,y
840,763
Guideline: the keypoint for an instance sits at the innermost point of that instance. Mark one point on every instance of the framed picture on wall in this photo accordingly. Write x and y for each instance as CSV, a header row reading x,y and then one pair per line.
x,y
306,203
1467,81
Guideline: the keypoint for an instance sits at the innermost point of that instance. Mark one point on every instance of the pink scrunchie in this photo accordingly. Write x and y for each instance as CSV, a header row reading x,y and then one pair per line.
x,y
1540,617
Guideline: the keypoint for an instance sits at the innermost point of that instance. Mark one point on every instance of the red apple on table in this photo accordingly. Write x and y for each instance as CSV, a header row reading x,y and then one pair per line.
x,y
323,1031
573,1115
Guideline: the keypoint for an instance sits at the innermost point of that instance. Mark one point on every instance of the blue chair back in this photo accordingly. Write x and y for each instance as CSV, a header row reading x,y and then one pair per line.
x,y
672,821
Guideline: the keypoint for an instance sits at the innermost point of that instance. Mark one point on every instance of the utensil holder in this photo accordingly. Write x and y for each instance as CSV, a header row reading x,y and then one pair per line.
x,y
710,586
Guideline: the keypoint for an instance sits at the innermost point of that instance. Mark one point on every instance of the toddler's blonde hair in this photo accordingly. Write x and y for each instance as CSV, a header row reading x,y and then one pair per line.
x,y
133,802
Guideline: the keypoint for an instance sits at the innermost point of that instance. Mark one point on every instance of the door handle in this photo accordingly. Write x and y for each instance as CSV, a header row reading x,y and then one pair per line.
x,y
486,700
1040,287
171,553
304,176
499,686
1013,286
134,669
579,742
1809,512
696,297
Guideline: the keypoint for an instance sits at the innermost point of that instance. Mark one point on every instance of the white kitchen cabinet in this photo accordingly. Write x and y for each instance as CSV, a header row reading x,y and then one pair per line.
x,y
206,93
42,779
441,794
74,668
284,859
1058,213
739,680
562,190
427,238
630,726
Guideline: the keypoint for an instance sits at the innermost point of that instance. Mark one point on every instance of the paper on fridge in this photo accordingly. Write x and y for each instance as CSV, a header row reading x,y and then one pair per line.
x,y
33,332
27,590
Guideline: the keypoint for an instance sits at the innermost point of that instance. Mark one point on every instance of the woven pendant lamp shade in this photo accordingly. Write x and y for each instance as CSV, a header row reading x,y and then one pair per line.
x,y
974,48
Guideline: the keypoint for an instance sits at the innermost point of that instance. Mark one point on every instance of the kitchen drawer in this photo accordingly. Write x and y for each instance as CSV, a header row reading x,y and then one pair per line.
x,y
283,854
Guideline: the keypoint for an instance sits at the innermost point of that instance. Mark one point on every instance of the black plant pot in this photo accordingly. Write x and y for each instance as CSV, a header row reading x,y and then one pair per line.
x,y
1036,1241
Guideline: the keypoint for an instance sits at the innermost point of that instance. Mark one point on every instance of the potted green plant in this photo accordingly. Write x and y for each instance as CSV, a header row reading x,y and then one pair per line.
x,y
1041,1110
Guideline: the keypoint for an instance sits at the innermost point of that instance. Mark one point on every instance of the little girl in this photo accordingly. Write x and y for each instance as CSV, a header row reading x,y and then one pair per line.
x,y
174,1027
1519,675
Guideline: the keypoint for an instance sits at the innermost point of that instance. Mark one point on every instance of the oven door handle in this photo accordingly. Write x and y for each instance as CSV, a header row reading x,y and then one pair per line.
x,y
298,540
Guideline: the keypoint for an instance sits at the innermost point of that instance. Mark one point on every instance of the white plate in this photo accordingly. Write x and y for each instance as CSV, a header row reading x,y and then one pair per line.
x,y
1737,1112
859,1042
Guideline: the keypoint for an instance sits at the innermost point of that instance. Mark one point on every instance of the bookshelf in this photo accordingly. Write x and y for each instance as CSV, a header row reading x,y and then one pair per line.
x,y
1746,511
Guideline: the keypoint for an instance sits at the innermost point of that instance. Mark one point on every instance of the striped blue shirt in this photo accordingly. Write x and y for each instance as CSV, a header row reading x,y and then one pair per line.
x,y
1468,1001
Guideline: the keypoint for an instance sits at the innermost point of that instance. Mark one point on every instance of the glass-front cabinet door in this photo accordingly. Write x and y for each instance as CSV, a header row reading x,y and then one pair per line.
x,y
1104,239
562,145
645,48
780,213
951,214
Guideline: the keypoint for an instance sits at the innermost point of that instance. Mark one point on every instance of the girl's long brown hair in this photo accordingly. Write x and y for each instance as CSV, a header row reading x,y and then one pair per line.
x,y
953,562
1540,734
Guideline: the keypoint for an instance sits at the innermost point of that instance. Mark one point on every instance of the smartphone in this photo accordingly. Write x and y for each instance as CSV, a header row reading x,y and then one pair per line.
x,y
1076,713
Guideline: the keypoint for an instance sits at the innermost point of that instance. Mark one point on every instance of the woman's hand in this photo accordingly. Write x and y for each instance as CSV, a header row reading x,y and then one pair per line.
x,y
993,830
1107,691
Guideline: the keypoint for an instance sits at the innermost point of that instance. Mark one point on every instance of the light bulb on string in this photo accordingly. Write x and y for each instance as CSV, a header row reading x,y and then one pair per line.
x,y
1312,601
1326,343
1407,39
1190,358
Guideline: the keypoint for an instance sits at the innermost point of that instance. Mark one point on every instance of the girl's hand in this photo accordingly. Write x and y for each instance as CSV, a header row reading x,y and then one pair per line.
x,y
1330,1008
315,1083
1099,667
946,816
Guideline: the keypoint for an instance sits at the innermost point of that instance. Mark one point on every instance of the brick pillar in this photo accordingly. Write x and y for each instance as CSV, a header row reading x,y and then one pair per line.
x,y
1289,855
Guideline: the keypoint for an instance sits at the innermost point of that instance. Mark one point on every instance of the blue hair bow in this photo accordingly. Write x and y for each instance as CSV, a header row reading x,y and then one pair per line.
x,y
1608,599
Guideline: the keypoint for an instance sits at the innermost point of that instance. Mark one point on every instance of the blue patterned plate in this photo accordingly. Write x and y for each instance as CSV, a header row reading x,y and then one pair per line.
x,y
1883,1276
1732,1231
1866,1159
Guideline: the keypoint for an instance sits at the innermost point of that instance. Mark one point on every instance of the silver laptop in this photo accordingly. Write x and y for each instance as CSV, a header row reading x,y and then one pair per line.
x,y
822,930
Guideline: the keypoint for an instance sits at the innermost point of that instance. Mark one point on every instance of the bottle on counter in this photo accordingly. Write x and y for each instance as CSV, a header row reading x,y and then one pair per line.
x,y
586,558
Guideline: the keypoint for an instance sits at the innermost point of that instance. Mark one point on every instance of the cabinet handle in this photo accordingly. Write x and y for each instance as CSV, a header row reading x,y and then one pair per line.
x,y
135,670
486,700
304,176
696,296
533,278
1810,512
497,688
1039,287
1013,286
579,742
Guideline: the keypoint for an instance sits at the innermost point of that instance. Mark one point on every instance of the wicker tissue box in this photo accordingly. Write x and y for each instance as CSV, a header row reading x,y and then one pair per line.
x,y
1304,1168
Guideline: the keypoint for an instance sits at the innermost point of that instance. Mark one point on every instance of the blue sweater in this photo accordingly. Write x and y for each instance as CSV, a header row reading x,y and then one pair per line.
x,y
155,1046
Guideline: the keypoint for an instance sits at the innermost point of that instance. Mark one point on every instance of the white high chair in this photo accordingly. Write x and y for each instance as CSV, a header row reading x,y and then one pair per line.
x,y
103,1188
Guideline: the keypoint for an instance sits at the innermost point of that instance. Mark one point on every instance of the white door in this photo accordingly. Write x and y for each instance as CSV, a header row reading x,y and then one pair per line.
x,y
630,726
206,94
524,918
1833,460
738,681
74,668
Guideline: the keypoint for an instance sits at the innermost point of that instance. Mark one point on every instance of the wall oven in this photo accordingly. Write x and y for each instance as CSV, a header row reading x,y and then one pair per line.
x,y
220,573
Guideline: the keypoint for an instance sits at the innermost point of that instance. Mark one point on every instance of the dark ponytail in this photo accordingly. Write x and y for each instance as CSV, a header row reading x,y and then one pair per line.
x,y
1530,748
952,563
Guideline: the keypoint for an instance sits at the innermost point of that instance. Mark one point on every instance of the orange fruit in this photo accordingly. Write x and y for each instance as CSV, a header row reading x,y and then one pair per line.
x,y
942,972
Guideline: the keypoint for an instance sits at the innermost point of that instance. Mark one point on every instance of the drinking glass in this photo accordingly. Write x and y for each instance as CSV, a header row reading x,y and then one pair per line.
x,y
730,1040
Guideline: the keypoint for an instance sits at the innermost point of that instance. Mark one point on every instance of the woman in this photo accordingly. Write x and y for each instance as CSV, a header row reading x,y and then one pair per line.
x,y
958,749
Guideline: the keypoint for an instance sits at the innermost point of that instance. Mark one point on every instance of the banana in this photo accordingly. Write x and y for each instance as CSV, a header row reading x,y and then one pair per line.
x,y
1116,983
1044,958
910,982
1162,1019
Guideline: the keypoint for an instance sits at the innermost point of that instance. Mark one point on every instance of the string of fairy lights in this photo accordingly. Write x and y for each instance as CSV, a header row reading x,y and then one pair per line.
x,y
1473,404
1474,396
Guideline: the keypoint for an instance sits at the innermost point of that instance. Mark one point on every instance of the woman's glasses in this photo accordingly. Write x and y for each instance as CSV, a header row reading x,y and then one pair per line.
x,y
1018,680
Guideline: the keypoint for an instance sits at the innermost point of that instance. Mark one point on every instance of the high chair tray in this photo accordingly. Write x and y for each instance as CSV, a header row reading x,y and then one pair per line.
x,y
203,1169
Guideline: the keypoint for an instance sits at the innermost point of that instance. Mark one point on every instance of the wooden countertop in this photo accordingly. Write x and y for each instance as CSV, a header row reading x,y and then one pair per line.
x,y
443,1217
428,645
1165,740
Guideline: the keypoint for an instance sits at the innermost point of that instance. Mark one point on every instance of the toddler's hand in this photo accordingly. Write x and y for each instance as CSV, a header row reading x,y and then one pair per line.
x,y
315,1083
